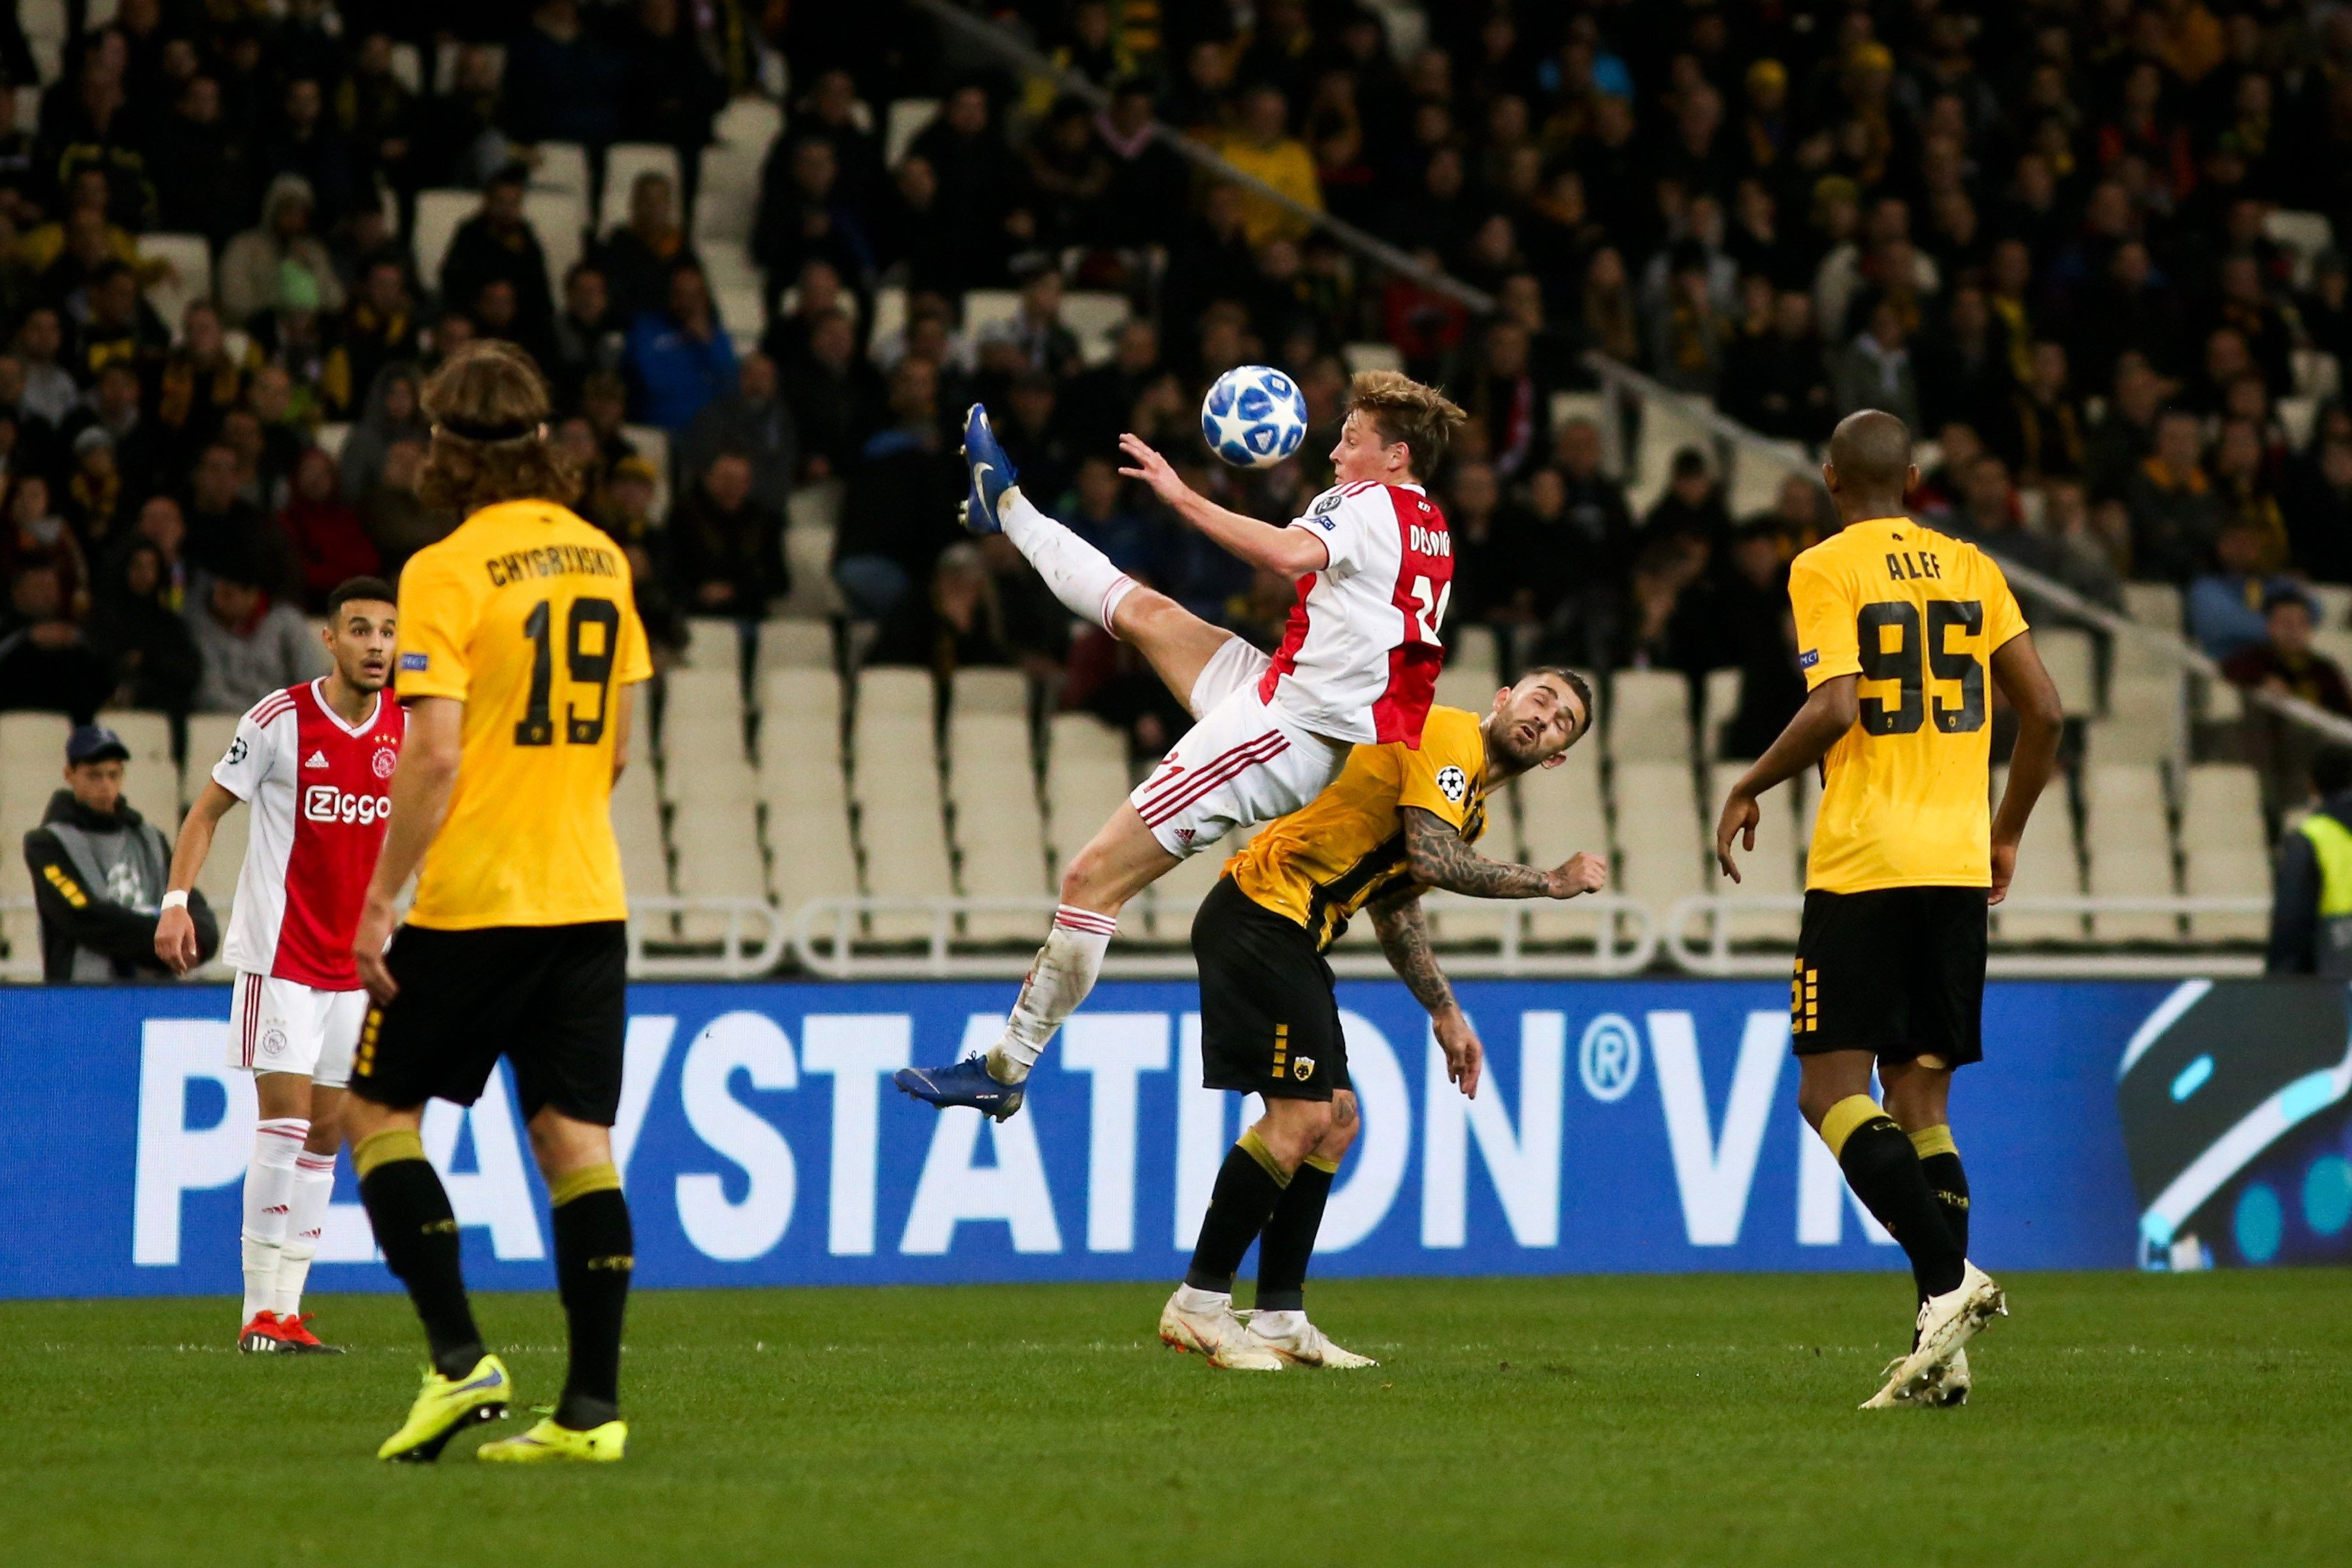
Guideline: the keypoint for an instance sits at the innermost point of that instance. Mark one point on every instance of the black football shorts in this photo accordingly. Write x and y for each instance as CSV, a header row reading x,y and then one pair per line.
x,y
552,999
1269,1018
1896,971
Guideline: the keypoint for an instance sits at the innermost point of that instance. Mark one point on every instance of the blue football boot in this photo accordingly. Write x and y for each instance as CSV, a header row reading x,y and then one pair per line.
x,y
967,1082
991,474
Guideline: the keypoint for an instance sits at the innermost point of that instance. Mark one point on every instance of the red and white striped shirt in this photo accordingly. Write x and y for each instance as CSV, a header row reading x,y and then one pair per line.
x,y
320,792
1360,658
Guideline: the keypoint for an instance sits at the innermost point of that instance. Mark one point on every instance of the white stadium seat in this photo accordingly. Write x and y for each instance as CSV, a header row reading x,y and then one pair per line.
x,y
2072,658
1560,812
801,787
713,643
561,166
1648,717
2128,844
637,819
1096,316
992,786
1770,869
1087,780
895,778
1720,704
1471,675
2222,848
2047,867
904,121
438,214
150,780
792,643
1658,834
32,751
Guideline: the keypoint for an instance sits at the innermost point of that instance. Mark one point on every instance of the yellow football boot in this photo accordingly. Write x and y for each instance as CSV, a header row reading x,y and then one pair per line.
x,y
446,1405
547,1442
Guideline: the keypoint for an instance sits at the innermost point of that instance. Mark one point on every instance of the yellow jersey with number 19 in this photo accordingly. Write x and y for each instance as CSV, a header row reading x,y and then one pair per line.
x,y
1915,615
524,614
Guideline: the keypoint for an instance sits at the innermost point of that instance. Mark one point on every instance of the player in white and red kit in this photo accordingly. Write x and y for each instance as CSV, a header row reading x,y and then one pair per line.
x,y
314,762
1358,663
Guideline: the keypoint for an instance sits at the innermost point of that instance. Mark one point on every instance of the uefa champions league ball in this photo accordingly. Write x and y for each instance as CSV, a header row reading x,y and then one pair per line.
x,y
1254,417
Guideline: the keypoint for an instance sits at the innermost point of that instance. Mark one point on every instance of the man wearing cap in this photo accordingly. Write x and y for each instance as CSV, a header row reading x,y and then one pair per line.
x,y
99,873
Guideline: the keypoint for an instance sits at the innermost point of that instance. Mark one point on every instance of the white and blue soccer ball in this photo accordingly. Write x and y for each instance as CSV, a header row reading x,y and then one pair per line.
x,y
1254,417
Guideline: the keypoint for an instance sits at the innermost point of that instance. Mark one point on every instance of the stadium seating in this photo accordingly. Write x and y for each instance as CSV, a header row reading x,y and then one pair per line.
x,y
1560,812
2222,848
190,279
1769,869
1646,717
992,792
2128,848
803,792
895,784
624,161
711,792
1658,834
2048,866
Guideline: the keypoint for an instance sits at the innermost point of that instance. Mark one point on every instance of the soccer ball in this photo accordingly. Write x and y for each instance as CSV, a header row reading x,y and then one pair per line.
x,y
1254,417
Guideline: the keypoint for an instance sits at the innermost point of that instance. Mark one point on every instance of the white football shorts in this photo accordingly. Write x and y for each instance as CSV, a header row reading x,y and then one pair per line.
x,y
1243,761
284,1026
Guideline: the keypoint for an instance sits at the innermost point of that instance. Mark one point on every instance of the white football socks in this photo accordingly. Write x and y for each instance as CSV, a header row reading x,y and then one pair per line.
x,y
1193,1300
1081,576
269,1202
1058,981
306,1216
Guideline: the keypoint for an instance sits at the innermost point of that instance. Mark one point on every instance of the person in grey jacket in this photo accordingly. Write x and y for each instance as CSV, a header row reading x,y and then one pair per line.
x,y
99,870
252,645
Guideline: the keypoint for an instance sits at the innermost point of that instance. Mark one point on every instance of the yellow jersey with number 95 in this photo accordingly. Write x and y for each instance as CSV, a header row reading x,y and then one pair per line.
x,y
525,616
1916,615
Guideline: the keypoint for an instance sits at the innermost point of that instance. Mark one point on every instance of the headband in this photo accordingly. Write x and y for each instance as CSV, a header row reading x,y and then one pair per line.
x,y
511,430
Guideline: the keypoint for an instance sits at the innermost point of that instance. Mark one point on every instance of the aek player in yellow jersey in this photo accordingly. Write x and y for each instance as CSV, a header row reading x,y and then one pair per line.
x,y
1398,819
518,645
1897,626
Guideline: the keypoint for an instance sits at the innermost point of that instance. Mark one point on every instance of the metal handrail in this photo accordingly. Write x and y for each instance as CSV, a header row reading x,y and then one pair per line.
x,y
827,941
1711,952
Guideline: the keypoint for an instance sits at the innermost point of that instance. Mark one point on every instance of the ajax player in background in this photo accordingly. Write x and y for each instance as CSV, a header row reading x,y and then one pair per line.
x,y
1357,664
315,764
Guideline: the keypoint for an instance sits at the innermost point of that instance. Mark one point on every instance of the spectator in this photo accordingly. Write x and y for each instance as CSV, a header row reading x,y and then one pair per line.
x,y
111,409
96,503
251,644
726,546
2175,514
753,422
37,535
199,382
1747,627
977,209
637,257
1692,505
2310,933
1774,380
379,328
2319,511
1031,436
898,510
498,243
626,513
45,662
562,82
98,873
251,273
390,414
2043,436
835,394
956,623
1875,371
2285,662
139,629
670,91
1035,334
396,519
1148,185
680,358
2226,606
802,218
591,335
205,171
330,545
49,391
310,144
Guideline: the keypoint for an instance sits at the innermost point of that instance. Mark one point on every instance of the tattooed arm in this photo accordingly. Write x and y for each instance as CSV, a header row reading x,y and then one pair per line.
x,y
1438,858
1404,932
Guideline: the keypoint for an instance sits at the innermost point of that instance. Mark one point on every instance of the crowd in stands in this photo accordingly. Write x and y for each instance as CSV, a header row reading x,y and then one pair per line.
x,y
2036,230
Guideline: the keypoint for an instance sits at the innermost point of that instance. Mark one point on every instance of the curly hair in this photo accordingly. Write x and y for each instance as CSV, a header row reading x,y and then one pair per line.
x,y
490,408
1402,409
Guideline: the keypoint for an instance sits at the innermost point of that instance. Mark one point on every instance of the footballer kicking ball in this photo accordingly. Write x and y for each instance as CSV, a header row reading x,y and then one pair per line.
x,y
1254,417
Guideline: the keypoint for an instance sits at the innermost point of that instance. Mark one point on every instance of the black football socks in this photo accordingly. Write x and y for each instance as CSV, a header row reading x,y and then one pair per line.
x,y
594,1256
1249,1186
413,1224
1288,1244
1886,1174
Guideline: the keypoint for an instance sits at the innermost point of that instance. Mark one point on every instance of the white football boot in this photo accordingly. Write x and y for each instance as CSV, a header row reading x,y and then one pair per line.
x,y
1950,1390
1205,1325
1946,1323
1290,1336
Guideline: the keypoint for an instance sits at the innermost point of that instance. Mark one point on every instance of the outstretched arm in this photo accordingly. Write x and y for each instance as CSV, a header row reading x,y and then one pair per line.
x,y
1294,552
1828,714
1438,858
1404,932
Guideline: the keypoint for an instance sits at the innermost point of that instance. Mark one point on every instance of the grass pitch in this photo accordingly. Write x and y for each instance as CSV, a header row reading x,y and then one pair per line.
x,y
2119,1420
